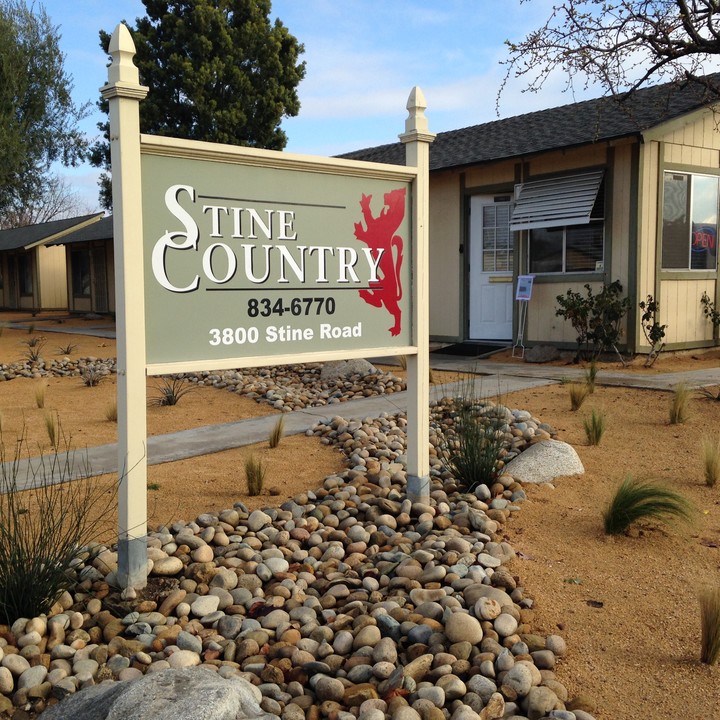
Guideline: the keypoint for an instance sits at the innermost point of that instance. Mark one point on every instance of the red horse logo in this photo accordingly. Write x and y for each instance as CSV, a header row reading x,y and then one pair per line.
x,y
379,235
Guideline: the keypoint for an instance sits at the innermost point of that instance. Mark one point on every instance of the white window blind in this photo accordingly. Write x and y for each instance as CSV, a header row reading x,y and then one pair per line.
x,y
556,202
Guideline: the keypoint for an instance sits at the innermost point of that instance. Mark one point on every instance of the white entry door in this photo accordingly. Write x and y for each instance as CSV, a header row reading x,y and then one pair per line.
x,y
491,269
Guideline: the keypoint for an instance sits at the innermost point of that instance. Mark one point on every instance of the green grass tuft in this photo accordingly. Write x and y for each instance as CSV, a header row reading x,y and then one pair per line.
x,y
594,426
637,500
170,389
710,626
590,376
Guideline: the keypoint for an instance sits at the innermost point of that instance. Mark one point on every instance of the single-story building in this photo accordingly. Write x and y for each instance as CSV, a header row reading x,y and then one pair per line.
x,y
590,192
32,268
89,254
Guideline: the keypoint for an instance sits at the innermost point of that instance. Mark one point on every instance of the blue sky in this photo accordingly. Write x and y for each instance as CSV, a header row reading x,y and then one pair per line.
x,y
363,57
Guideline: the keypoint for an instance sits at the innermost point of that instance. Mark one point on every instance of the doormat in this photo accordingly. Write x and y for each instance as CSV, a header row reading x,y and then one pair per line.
x,y
469,349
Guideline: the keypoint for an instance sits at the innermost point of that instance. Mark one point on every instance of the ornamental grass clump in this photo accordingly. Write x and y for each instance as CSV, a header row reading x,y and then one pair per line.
x,y
471,447
636,500
255,471
591,376
710,626
711,460
45,530
578,393
277,433
680,404
594,426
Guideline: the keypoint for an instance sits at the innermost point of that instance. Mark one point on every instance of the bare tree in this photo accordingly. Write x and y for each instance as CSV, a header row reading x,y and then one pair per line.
x,y
58,200
622,45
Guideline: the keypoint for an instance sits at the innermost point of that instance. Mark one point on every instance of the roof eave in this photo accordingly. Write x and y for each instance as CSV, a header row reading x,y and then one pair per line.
x,y
62,233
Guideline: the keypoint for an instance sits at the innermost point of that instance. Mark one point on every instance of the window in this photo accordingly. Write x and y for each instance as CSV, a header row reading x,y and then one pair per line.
x,y
80,264
25,274
497,252
689,224
564,218
571,248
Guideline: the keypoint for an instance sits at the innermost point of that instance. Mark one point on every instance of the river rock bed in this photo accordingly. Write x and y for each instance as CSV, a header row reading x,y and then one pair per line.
x,y
284,387
346,602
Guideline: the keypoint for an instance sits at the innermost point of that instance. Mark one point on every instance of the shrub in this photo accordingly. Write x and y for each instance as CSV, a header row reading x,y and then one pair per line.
x,y
636,500
577,393
595,318
170,389
91,376
653,331
277,432
39,548
680,404
711,460
34,348
255,471
710,626
472,446
709,310
594,427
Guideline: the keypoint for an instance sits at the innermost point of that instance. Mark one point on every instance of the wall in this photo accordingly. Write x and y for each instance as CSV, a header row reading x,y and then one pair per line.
x,y
690,144
51,278
445,261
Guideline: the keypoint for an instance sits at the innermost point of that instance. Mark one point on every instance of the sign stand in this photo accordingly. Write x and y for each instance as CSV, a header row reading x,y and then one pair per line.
x,y
417,139
158,271
523,293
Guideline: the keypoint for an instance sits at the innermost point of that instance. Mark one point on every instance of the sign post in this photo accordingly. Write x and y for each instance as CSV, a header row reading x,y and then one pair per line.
x,y
523,293
124,93
232,257
417,139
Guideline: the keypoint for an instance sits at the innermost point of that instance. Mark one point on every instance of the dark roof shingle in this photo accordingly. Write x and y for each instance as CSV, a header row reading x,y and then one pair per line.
x,y
23,237
571,125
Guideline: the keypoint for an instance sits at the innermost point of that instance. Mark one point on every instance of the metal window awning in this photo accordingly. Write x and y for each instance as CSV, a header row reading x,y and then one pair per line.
x,y
555,202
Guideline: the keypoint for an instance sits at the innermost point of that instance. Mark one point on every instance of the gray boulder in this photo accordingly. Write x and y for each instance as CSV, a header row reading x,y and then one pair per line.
x,y
346,368
185,694
544,461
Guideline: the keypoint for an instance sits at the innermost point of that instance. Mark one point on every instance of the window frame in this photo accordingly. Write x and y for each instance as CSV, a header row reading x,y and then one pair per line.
x,y
75,268
690,174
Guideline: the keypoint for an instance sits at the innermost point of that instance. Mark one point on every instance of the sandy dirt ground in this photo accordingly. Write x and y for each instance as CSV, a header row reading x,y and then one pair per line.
x,y
626,605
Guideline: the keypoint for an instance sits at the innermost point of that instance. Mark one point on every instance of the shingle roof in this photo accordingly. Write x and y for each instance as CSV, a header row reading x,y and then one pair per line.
x,y
25,237
100,230
571,125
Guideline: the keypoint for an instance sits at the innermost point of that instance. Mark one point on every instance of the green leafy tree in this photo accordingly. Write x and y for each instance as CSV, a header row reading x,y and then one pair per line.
x,y
218,70
38,118
622,45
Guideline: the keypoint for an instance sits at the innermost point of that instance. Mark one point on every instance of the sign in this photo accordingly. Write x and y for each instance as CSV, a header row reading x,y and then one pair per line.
x,y
524,287
262,261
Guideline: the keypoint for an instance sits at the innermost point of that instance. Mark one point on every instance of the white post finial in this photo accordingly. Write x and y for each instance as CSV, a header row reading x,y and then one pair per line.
x,y
416,124
123,75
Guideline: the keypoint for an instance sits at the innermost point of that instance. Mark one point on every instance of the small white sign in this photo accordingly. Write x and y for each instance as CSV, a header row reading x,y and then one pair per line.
x,y
524,287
